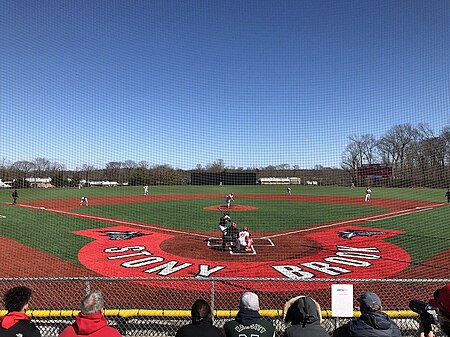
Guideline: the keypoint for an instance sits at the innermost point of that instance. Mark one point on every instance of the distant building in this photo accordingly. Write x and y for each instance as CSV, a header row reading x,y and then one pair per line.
x,y
99,183
40,182
280,181
4,184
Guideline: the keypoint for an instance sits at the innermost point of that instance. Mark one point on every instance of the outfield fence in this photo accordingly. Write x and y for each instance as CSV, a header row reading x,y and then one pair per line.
x,y
159,306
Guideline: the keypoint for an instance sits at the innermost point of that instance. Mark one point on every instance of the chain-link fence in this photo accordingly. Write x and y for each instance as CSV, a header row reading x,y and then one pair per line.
x,y
159,306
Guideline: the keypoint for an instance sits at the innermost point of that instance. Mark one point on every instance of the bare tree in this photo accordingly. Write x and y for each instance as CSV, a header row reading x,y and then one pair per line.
x,y
113,170
143,164
23,166
360,150
396,143
41,165
217,166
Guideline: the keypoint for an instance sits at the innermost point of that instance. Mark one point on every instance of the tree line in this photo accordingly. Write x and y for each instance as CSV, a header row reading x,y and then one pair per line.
x,y
417,156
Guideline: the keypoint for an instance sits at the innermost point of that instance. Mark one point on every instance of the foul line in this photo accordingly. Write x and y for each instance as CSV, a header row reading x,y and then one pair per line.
x,y
359,220
121,222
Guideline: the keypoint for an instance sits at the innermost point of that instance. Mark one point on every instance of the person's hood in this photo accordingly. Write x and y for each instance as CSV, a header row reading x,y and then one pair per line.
x,y
302,310
86,324
11,318
377,319
247,316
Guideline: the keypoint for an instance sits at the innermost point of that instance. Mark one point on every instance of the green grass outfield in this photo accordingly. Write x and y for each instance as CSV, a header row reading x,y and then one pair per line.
x,y
426,233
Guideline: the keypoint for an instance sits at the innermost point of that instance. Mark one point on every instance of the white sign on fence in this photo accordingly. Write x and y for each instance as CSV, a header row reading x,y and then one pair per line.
x,y
342,300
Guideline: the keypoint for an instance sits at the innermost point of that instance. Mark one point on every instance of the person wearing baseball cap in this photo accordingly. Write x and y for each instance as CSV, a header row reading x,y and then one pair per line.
x,y
440,300
248,321
372,322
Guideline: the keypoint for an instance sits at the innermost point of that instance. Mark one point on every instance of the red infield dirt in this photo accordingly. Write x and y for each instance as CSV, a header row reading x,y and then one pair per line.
x,y
182,248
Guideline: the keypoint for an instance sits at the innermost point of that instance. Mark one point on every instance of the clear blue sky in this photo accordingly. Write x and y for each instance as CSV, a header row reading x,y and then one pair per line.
x,y
252,82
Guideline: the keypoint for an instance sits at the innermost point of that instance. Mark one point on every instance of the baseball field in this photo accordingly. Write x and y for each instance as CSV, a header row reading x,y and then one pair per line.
x,y
314,233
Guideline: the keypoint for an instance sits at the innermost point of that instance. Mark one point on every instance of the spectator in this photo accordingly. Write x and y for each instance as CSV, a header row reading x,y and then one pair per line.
x,y
248,321
90,321
305,317
16,322
201,325
441,300
371,323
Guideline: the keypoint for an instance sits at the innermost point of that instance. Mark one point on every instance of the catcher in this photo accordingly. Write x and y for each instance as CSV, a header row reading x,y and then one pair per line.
x,y
244,241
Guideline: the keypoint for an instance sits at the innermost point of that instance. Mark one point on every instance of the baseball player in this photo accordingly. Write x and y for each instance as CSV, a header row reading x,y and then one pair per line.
x,y
15,196
447,195
223,222
244,241
84,201
146,190
288,191
368,194
233,233
228,199
223,228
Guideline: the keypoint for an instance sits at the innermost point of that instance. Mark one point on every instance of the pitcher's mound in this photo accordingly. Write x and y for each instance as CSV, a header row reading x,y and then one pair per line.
x,y
233,208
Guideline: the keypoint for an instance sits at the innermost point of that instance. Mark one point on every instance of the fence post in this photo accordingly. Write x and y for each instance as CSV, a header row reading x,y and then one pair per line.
x,y
212,295
88,287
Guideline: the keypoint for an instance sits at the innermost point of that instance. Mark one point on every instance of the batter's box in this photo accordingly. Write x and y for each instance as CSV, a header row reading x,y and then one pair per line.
x,y
216,244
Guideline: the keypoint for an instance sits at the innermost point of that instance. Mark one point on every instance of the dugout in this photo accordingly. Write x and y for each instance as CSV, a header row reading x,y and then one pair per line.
x,y
224,178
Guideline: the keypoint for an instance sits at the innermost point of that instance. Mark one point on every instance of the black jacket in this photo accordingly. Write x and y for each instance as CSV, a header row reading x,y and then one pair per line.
x,y
370,324
202,329
249,323
16,324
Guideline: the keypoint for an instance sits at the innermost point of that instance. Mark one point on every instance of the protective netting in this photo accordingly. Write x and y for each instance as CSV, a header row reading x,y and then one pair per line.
x,y
139,307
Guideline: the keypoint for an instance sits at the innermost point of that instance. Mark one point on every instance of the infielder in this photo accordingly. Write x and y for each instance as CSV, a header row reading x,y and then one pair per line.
x,y
84,201
368,194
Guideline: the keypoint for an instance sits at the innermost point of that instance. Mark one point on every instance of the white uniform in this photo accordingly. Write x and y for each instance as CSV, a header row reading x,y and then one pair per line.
x,y
229,199
84,201
242,241
368,194
145,190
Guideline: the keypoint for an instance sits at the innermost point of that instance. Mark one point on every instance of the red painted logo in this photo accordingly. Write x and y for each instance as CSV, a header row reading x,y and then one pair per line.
x,y
347,252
